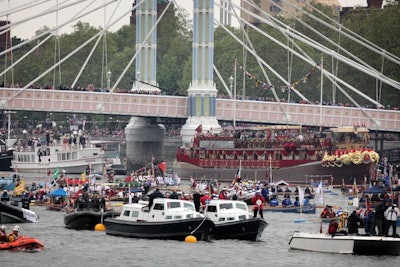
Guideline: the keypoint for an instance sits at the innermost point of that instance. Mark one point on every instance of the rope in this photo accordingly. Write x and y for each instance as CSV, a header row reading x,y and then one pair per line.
x,y
205,218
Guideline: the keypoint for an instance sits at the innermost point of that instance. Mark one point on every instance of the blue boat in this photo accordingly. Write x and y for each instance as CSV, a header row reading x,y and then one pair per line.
x,y
307,209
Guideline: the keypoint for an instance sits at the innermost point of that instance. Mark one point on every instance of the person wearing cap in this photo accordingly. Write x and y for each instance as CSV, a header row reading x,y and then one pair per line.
x,y
14,234
3,234
5,197
258,201
391,215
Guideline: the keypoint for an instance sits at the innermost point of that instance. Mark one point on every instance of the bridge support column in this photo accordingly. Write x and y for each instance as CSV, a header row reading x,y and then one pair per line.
x,y
144,139
202,91
146,17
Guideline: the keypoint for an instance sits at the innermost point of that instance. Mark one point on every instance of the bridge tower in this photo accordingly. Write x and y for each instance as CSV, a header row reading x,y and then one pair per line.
x,y
144,137
202,91
146,17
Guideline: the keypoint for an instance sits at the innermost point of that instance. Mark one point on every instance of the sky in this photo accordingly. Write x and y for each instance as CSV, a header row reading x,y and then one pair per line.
x,y
27,29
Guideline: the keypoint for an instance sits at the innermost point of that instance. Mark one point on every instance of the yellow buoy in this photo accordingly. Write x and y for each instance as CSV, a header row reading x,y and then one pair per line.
x,y
191,239
100,227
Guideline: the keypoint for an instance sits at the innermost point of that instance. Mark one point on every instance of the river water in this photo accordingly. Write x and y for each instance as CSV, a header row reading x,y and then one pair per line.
x,y
66,247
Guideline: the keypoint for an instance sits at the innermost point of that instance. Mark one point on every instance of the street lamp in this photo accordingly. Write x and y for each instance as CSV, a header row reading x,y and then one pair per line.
x,y
109,80
232,82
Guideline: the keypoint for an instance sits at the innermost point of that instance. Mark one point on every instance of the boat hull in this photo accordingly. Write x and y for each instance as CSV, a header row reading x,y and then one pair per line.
x,y
345,244
70,168
5,160
86,219
249,229
294,174
307,209
14,214
175,229
22,243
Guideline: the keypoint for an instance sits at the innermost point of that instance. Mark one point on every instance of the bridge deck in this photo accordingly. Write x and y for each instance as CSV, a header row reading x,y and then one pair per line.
x,y
176,107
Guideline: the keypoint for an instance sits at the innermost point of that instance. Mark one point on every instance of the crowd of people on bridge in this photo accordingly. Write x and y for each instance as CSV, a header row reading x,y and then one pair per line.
x,y
156,91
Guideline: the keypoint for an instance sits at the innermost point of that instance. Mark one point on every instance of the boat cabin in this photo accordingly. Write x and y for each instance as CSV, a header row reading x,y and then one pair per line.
x,y
163,209
220,211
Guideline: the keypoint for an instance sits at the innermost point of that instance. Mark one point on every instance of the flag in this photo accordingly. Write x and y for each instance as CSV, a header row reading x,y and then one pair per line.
x,y
55,175
301,196
238,173
83,176
199,128
320,194
19,189
162,166
130,194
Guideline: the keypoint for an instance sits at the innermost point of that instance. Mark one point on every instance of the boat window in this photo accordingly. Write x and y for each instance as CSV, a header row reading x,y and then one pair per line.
x,y
189,206
221,219
211,208
126,213
135,214
74,155
178,217
158,206
241,206
168,217
174,205
242,217
189,216
226,206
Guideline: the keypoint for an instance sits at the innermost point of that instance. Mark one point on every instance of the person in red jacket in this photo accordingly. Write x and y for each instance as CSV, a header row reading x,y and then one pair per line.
x,y
205,199
258,201
333,226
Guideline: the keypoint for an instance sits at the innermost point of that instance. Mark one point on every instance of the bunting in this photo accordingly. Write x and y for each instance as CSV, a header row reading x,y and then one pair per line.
x,y
266,86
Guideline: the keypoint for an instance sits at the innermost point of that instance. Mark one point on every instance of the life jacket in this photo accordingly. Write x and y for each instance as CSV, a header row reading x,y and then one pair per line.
x,y
12,237
256,198
333,226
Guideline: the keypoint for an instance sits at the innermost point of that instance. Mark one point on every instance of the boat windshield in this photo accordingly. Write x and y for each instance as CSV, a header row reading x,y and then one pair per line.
x,y
226,206
241,206
189,206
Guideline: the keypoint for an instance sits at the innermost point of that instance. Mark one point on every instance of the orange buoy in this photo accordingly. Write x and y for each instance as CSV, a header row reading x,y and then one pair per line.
x,y
100,227
190,239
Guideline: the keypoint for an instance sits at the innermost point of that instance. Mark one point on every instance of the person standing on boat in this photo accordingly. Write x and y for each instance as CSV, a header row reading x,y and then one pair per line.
x,y
155,194
14,235
258,201
379,219
3,234
391,214
5,197
353,223
265,192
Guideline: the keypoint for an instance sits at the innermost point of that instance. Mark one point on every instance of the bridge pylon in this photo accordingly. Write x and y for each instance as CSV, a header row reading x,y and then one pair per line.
x,y
202,91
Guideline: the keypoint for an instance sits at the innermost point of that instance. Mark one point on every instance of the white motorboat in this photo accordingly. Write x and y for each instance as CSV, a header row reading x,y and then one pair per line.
x,y
345,244
165,219
233,220
46,158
